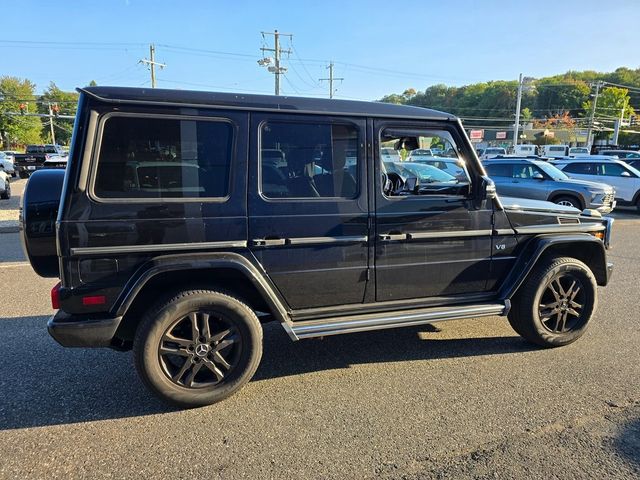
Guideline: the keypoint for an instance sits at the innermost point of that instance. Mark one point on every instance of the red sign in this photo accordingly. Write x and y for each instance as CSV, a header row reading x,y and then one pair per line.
x,y
476,134
501,135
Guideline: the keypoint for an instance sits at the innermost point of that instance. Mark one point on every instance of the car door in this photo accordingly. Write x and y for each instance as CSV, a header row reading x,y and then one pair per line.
x,y
529,182
624,180
432,239
502,175
308,207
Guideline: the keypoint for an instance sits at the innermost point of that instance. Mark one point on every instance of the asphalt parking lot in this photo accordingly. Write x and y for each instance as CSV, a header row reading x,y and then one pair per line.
x,y
469,399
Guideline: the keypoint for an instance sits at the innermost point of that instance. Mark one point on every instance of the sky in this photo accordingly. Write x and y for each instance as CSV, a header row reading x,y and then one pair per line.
x,y
378,47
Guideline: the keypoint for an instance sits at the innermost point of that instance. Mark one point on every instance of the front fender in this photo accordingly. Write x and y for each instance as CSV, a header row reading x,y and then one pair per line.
x,y
582,246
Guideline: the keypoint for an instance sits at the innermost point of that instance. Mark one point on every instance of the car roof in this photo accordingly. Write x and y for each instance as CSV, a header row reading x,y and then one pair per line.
x,y
587,160
241,101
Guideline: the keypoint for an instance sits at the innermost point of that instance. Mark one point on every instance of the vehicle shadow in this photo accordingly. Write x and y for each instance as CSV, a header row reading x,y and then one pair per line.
x,y
627,442
43,383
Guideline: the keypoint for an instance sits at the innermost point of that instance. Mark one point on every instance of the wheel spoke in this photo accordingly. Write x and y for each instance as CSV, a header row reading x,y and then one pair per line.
x,y
224,344
211,366
192,375
185,366
563,321
183,342
219,336
206,331
574,294
560,288
195,331
554,292
217,357
573,312
182,352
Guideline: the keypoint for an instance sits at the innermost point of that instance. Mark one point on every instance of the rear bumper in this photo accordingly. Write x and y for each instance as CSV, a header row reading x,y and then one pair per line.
x,y
80,331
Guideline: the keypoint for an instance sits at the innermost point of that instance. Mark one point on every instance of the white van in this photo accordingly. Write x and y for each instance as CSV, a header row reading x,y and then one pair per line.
x,y
524,150
556,150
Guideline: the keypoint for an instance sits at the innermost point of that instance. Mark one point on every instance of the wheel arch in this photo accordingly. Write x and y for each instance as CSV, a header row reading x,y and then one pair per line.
x,y
232,273
584,247
569,193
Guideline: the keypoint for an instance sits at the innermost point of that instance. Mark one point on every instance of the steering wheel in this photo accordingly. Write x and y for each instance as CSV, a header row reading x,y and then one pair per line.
x,y
395,182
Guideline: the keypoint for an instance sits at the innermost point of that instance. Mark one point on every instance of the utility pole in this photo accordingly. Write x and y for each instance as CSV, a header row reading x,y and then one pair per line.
x,y
618,124
331,79
593,112
53,133
151,62
516,127
277,51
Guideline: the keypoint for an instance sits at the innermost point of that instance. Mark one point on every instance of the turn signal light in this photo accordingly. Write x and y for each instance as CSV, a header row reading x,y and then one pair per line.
x,y
55,296
599,235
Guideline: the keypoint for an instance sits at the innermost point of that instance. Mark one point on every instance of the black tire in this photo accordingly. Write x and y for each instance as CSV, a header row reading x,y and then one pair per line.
x,y
568,201
184,383
533,315
24,174
6,195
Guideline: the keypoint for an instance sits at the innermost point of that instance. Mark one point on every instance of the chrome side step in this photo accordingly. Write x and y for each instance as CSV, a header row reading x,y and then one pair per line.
x,y
379,321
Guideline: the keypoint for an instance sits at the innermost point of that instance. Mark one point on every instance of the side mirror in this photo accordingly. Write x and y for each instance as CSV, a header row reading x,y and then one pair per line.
x,y
488,189
625,174
538,176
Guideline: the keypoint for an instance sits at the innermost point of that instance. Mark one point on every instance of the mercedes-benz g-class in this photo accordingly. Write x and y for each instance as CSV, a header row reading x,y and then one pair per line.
x,y
184,220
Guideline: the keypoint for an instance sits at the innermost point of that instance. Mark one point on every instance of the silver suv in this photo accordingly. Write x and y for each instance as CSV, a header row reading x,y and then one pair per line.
x,y
527,178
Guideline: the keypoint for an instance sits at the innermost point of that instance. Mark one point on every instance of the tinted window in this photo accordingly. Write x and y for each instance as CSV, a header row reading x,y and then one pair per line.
x,y
309,160
525,171
610,169
164,158
499,170
580,168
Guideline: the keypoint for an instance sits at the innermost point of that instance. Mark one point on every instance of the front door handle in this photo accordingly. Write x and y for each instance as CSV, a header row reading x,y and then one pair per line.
x,y
268,242
392,236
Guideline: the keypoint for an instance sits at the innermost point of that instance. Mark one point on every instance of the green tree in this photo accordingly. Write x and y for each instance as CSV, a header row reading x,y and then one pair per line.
x,y
611,102
16,130
67,103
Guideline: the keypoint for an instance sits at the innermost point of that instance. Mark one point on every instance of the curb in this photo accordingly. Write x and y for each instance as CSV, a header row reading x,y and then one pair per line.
x,y
15,229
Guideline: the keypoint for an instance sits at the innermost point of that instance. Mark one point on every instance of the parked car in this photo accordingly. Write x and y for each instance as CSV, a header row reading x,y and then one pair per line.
x,y
625,155
491,152
184,261
526,178
634,163
624,178
419,153
453,167
390,155
55,161
5,186
6,164
573,151
10,154
34,158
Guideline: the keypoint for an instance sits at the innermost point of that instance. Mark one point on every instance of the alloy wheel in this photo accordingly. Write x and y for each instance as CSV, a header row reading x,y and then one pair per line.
x,y
561,307
199,350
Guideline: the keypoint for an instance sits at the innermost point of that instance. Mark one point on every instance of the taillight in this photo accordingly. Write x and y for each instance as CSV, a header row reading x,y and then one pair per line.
x,y
55,296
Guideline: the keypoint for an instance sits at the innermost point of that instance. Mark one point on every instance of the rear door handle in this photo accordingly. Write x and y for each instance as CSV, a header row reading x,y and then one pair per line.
x,y
268,242
393,237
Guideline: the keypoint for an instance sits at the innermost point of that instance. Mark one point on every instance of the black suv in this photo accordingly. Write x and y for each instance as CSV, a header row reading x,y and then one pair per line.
x,y
185,220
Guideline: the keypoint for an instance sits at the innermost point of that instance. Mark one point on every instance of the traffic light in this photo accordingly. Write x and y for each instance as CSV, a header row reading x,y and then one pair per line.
x,y
23,107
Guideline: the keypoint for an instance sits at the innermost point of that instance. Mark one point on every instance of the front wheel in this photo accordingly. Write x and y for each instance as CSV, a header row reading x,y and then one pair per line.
x,y
555,304
568,201
198,347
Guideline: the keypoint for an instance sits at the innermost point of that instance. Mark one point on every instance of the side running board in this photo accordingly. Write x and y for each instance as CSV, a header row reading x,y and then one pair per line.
x,y
379,321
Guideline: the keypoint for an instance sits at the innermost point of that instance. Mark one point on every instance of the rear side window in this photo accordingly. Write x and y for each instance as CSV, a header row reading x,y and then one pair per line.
x,y
160,158
499,170
580,168
308,160
611,169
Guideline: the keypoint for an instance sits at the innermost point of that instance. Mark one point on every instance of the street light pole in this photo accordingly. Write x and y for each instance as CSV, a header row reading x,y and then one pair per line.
x,y
516,127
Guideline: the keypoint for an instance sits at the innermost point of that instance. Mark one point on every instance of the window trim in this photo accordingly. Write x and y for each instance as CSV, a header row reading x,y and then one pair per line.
x,y
378,161
95,159
361,159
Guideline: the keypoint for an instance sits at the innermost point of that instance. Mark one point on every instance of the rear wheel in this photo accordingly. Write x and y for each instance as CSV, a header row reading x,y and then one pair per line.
x,y
555,304
198,347
568,201
6,195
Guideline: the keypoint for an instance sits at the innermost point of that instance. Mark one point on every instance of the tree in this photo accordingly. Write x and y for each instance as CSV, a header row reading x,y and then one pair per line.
x,y
611,102
67,103
15,129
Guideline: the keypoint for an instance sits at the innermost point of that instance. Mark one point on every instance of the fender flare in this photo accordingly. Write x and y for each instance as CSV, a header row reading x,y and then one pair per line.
x,y
201,261
535,249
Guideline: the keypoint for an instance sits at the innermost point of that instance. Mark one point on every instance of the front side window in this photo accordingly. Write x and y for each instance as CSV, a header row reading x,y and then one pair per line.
x,y
405,173
611,169
308,160
159,158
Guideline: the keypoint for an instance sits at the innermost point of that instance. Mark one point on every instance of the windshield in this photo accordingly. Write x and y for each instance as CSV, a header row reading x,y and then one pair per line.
x,y
579,150
552,171
495,150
